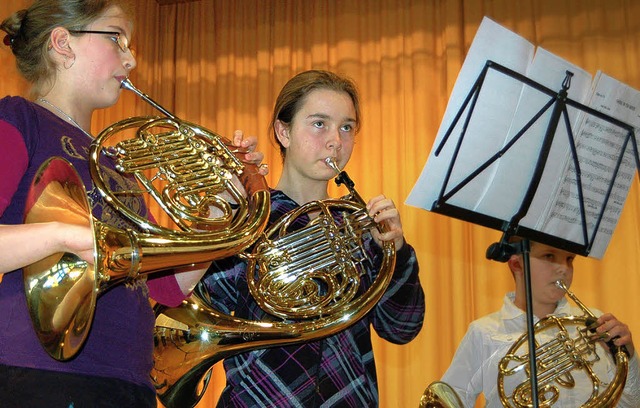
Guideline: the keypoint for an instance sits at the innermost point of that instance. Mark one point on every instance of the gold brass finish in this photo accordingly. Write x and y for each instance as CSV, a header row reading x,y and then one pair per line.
x,y
555,360
61,288
439,394
572,349
310,275
219,206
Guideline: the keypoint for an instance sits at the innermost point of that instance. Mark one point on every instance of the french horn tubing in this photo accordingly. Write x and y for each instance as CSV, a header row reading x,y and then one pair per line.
x,y
196,179
439,394
569,352
307,279
555,362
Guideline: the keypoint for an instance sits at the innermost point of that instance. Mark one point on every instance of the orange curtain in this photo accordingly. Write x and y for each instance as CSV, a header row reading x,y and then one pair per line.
x,y
221,63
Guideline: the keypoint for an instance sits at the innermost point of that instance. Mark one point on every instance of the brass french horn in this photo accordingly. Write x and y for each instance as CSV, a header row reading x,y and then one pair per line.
x,y
307,279
556,360
196,179
439,394
571,350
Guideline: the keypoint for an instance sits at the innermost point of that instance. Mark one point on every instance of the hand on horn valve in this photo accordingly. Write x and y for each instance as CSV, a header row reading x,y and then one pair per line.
x,y
383,210
252,156
614,333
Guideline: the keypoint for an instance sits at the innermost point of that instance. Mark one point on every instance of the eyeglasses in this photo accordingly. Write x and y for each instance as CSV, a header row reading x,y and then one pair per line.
x,y
116,37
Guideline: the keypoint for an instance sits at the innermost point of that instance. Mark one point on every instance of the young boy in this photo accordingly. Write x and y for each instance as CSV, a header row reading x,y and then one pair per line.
x,y
475,366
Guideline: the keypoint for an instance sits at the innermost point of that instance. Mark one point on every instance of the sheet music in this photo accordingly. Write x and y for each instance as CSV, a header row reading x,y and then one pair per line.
x,y
505,193
491,121
600,145
504,105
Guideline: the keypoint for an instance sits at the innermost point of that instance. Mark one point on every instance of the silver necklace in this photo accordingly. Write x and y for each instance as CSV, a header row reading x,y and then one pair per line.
x,y
69,118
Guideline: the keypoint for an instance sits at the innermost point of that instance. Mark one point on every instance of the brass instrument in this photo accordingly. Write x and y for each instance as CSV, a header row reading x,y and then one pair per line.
x,y
555,360
196,179
310,275
439,394
559,359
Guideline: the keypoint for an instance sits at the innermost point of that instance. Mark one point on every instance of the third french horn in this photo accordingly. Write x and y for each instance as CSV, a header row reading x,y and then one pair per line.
x,y
570,350
307,279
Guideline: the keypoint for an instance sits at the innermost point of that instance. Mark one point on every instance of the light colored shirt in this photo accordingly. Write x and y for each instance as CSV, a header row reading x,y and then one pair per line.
x,y
474,369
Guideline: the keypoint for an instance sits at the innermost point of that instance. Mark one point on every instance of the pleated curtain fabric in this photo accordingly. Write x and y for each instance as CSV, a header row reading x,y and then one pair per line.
x,y
221,63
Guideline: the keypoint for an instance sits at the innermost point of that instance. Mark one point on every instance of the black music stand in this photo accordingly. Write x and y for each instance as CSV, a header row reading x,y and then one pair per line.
x,y
558,103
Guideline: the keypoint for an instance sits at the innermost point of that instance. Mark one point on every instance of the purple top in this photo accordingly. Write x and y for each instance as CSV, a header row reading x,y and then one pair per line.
x,y
120,342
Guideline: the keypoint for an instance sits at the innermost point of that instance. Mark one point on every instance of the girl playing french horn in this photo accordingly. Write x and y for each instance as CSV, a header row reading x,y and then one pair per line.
x,y
316,117
75,53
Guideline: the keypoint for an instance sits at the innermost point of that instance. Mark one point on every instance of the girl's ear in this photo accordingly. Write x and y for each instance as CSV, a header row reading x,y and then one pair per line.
x,y
282,132
59,42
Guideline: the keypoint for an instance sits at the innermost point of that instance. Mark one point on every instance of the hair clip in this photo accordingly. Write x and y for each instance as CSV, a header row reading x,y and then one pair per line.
x,y
8,40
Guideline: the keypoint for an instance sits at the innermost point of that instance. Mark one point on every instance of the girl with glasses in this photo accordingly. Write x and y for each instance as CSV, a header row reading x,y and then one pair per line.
x,y
75,53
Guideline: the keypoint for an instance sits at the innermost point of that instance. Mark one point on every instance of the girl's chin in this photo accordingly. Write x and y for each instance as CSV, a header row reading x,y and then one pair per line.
x,y
111,100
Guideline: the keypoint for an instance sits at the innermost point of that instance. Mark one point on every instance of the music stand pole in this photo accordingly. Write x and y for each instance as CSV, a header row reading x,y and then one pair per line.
x,y
501,252
531,335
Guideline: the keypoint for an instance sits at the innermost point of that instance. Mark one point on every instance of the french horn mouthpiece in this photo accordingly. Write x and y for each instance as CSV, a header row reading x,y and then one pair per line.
x,y
331,162
560,284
